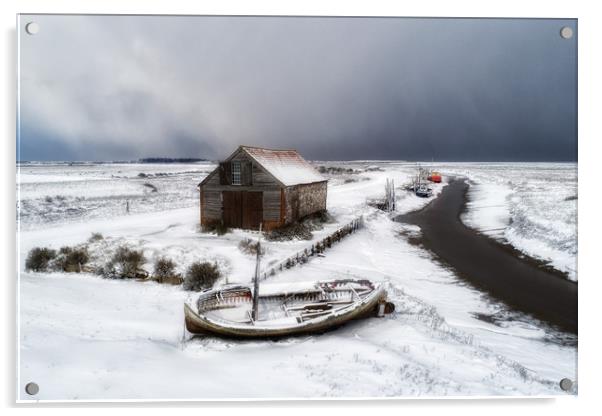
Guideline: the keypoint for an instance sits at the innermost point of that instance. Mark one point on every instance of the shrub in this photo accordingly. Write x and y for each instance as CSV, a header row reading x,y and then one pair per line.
x,y
218,228
249,246
323,217
164,271
95,237
335,170
125,264
300,230
201,276
38,259
221,229
71,259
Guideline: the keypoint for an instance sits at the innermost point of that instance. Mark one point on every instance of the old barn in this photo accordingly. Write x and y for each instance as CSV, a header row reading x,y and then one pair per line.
x,y
261,186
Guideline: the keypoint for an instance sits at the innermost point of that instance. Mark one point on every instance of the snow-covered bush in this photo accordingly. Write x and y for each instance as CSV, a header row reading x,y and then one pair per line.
x,y
125,264
217,228
299,230
303,229
201,275
39,258
335,170
249,246
71,259
165,271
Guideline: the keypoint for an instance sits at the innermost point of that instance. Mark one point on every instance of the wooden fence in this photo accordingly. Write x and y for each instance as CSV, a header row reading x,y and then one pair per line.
x,y
304,255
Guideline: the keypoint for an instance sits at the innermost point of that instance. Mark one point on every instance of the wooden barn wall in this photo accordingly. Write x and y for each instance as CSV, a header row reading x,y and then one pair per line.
x,y
211,193
213,180
211,205
271,205
290,194
260,179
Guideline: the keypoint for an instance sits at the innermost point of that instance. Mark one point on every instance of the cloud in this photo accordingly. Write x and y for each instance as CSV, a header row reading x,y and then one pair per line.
x,y
119,87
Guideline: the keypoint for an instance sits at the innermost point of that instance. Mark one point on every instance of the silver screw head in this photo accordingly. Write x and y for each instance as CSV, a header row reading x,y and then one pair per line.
x,y
32,28
566,32
32,388
566,384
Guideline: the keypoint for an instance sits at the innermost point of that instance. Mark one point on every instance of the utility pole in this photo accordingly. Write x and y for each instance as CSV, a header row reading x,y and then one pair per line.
x,y
255,310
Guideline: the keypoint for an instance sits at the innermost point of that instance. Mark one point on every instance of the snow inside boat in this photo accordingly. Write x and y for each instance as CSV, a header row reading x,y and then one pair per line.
x,y
285,308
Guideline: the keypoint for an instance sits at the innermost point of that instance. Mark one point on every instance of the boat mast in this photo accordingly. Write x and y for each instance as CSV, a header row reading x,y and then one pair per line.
x,y
255,310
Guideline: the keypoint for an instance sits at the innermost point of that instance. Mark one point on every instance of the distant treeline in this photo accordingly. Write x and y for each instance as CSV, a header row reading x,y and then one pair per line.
x,y
109,162
170,160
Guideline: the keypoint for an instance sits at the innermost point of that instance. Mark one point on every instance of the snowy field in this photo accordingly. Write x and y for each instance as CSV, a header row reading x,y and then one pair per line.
x,y
87,338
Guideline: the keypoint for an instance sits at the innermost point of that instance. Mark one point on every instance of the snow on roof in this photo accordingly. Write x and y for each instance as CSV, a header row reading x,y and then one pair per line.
x,y
285,165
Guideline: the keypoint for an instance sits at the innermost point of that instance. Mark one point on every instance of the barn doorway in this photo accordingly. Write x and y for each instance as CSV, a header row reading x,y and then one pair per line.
x,y
243,209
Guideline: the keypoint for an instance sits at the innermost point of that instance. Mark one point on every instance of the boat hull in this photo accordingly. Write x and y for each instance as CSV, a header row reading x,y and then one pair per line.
x,y
200,325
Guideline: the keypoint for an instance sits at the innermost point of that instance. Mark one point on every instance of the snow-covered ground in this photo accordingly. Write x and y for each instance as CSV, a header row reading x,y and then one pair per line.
x,y
84,337
62,193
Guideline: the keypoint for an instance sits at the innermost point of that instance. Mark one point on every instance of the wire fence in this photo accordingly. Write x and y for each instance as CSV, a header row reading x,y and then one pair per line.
x,y
303,256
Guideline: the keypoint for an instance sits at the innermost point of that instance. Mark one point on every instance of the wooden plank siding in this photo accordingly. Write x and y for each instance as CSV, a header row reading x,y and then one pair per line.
x,y
263,179
271,205
252,210
232,208
254,180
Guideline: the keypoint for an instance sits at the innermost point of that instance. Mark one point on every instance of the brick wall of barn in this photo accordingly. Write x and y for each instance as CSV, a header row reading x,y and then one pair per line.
x,y
303,200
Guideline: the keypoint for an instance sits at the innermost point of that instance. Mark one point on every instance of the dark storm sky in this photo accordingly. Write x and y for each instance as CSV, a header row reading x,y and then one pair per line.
x,y
119,88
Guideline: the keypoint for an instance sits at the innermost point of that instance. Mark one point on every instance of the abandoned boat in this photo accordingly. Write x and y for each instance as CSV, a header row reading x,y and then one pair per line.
x,y
434,177
285,308
424,191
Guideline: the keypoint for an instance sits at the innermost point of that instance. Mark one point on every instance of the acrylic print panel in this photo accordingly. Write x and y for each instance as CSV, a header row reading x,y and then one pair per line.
x,y
152,150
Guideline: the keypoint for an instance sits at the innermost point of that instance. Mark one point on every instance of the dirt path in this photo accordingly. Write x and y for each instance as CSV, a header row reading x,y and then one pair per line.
x,y
522,282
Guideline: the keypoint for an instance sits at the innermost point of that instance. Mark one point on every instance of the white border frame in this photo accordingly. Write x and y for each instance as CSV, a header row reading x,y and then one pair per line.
x,y
589,152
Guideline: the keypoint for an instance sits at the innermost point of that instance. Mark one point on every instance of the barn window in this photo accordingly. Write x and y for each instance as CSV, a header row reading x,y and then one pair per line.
x,y
236,173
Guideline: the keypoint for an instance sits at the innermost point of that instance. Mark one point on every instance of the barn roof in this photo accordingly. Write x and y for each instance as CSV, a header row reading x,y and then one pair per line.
x,y
287,166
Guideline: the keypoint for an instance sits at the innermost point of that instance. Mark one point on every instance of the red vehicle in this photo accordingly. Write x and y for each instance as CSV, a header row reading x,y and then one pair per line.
x,y
434,177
